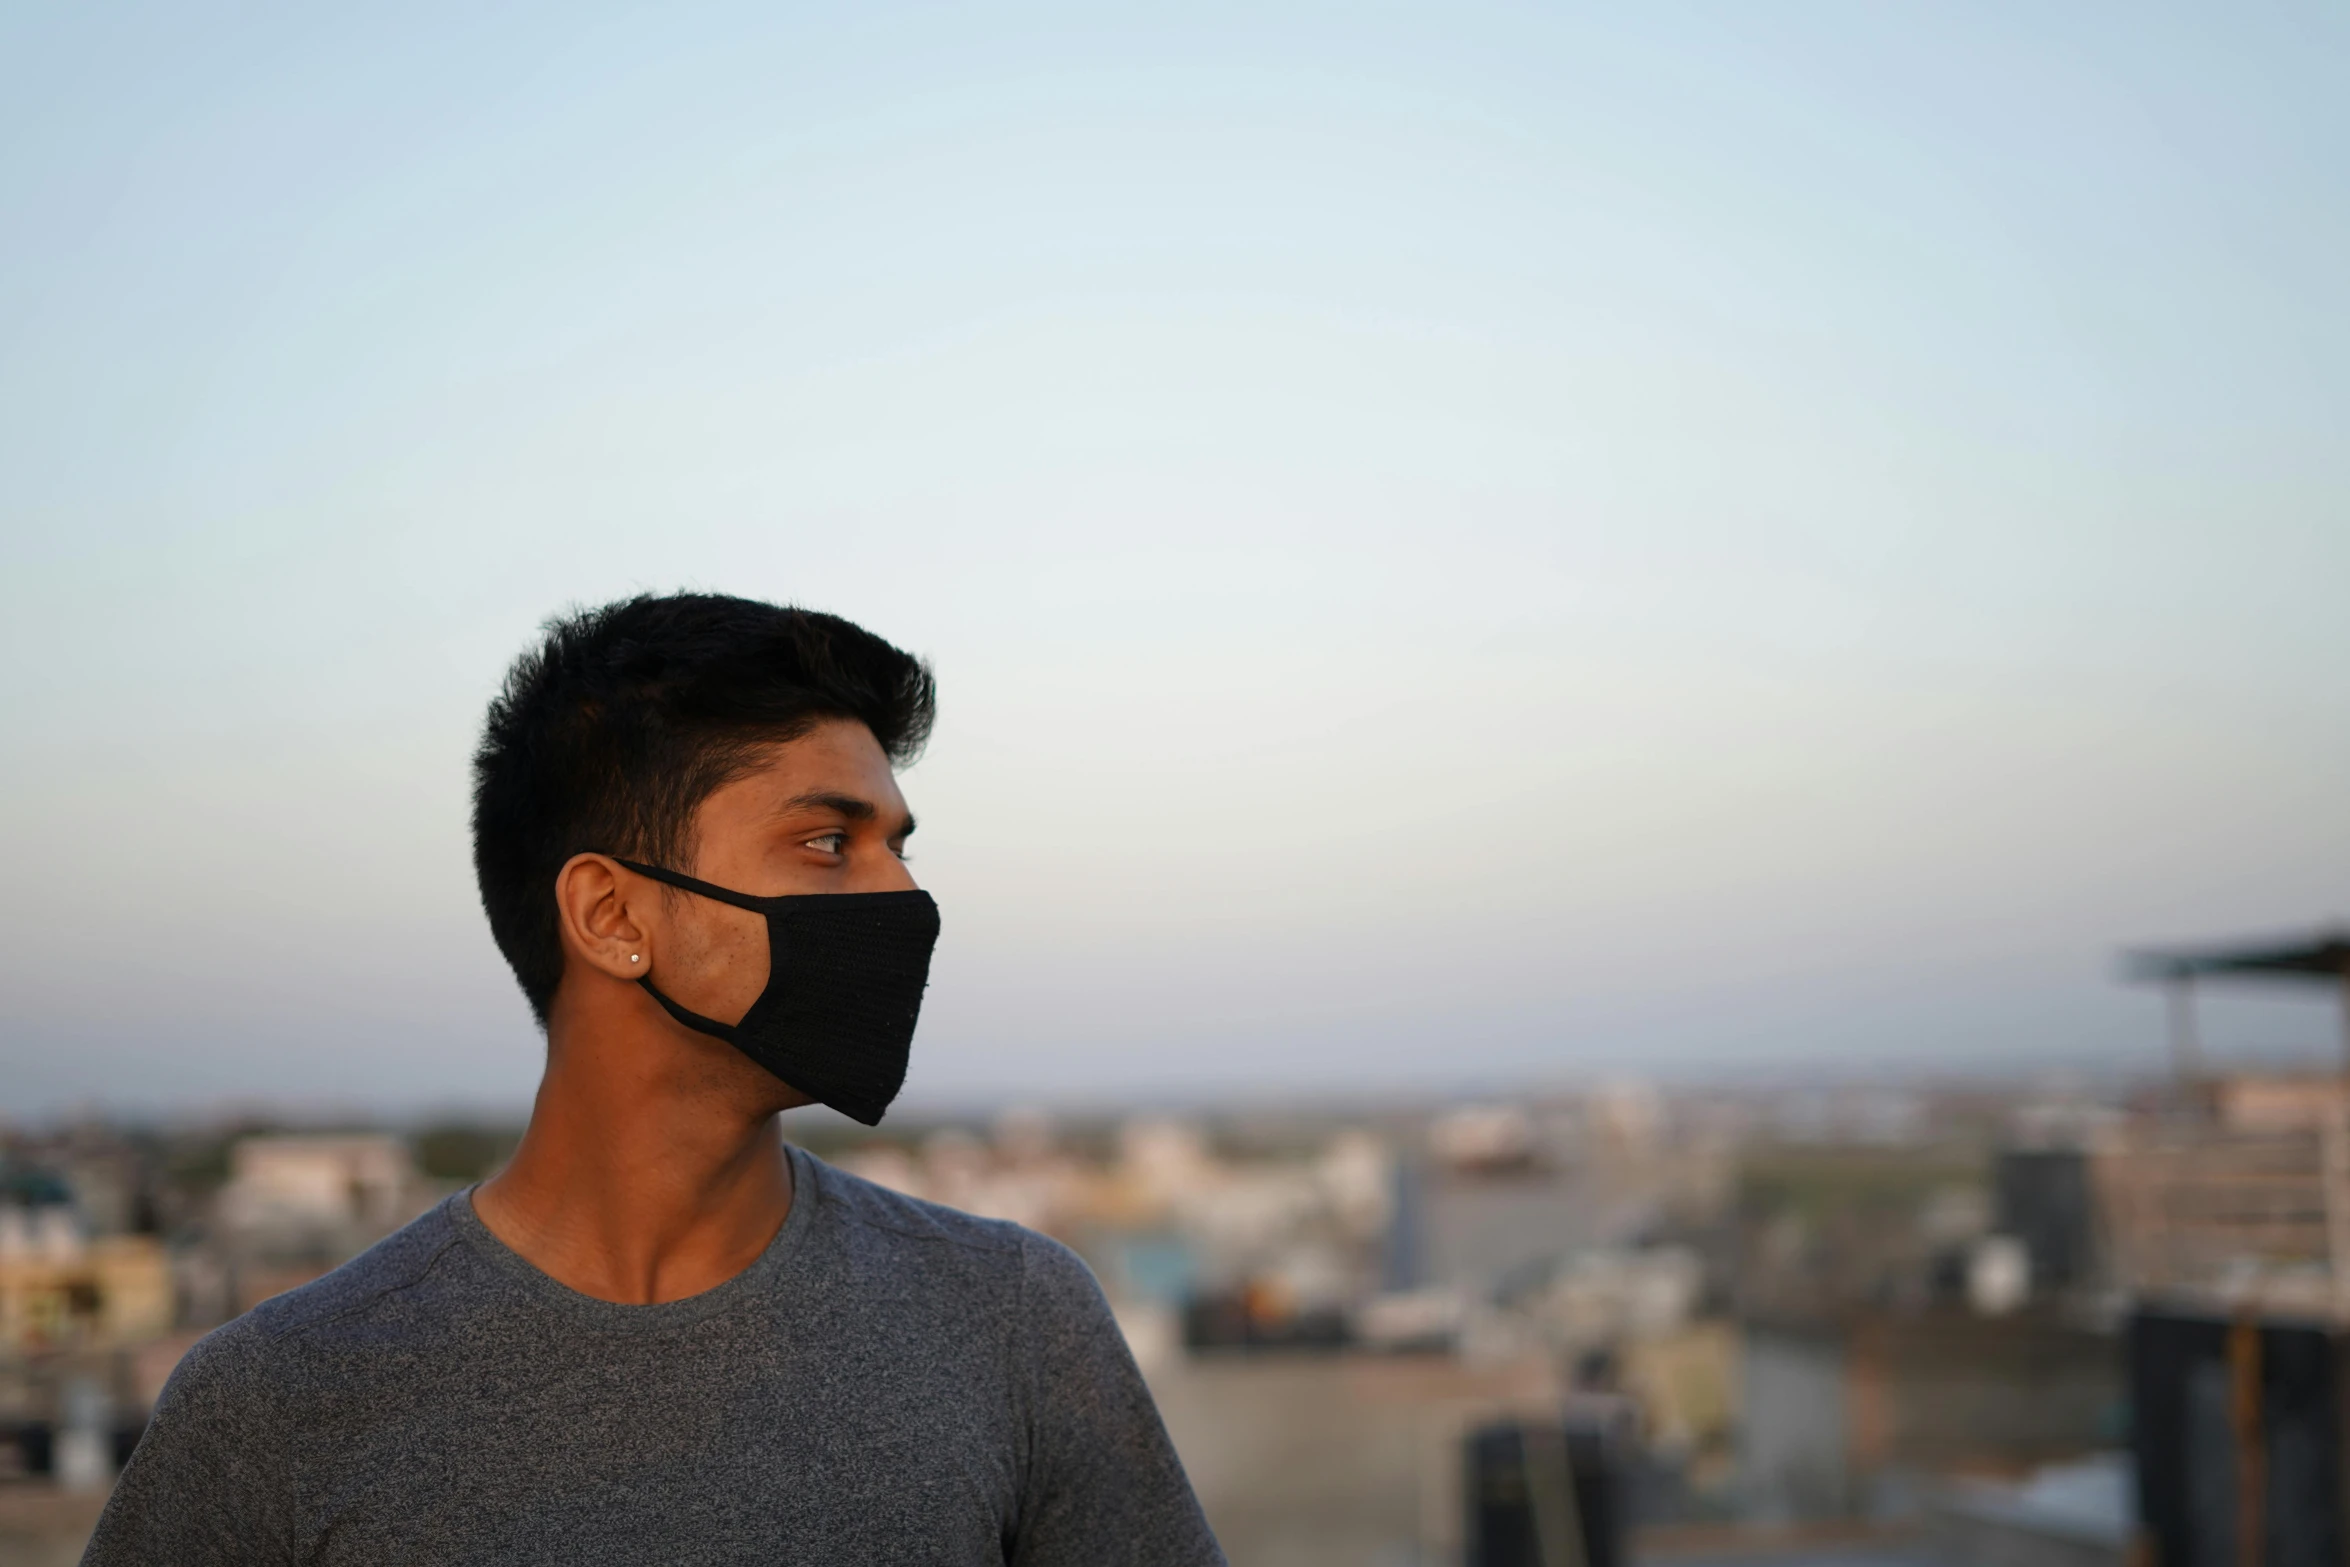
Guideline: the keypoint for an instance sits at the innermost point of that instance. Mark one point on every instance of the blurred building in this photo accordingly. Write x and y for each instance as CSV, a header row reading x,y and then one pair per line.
x,y
2229,1211
2045,1200
60,1290
1859,1413
283,1185
296,1205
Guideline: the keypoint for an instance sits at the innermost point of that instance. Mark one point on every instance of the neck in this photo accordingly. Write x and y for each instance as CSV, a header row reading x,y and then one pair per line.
x,y
642,1177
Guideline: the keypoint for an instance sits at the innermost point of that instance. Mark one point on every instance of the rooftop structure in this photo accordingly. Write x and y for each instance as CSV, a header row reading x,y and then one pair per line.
x,y
2242,1202
2320,957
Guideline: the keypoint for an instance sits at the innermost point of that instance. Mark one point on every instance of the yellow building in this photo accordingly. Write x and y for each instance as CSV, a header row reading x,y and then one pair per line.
x,y
95,1295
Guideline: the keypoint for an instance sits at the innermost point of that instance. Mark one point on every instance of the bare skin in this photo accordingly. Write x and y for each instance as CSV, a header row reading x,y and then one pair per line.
x,y
652,1168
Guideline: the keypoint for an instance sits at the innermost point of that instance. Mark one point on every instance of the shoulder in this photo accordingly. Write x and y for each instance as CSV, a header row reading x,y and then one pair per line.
x,y
914,1235
390,1269
880,1218
227,1369
303,1340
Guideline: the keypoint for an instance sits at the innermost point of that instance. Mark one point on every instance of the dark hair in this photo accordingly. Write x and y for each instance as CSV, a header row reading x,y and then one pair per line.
x,y
619,724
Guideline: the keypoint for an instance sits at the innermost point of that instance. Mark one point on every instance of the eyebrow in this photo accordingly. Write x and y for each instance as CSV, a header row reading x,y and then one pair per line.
x,y
847,805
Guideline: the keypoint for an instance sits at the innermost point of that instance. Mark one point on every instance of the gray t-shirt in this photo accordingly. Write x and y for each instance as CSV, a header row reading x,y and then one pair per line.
x,y
890,1383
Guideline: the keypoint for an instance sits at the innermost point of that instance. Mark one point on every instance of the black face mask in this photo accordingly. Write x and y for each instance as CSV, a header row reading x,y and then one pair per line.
x,y
845,973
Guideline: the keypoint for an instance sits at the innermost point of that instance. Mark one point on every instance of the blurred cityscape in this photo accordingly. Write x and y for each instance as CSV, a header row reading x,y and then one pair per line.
x,y
1861,1323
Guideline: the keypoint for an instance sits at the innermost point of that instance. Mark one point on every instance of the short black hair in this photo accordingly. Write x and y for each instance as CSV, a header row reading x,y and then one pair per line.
x,y
625,718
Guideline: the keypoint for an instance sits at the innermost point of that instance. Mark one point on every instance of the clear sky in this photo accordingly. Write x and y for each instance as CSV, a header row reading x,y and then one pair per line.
x,y
1460,542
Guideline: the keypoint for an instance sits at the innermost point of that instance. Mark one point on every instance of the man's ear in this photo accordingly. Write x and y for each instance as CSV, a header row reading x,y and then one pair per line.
x,y
600,927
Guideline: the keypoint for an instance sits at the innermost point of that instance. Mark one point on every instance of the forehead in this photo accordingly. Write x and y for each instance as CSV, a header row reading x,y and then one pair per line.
x,y
837,757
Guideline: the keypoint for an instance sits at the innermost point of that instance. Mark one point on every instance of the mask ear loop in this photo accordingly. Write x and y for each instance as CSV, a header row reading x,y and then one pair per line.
x,y
741,900
691,1019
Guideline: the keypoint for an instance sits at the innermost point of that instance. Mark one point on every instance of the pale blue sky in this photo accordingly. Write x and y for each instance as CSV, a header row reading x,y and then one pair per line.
x,y
1460,542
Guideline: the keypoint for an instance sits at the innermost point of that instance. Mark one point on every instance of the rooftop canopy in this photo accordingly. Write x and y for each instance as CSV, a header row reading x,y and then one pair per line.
x,y
2323,955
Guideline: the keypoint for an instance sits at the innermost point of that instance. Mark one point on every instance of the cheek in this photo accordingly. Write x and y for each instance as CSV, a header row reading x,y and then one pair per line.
x,y
730,956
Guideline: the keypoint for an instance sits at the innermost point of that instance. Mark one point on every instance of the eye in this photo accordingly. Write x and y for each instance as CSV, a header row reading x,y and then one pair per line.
x,y
830,843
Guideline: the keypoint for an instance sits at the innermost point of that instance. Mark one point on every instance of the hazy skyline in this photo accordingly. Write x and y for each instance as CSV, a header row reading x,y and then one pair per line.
x,y
1459,544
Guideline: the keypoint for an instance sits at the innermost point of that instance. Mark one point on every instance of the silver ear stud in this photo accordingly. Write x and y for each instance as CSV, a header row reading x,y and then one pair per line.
x,y
632,957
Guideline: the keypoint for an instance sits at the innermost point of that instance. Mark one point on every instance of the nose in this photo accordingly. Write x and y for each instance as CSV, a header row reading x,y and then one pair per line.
x,y
883,871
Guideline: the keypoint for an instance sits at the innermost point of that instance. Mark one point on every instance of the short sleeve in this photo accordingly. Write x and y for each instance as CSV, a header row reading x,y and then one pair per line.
x,y
207,1486
1101,1482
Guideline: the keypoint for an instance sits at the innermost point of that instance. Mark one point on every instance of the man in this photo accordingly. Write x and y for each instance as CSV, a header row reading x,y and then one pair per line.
x,y
660,1335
